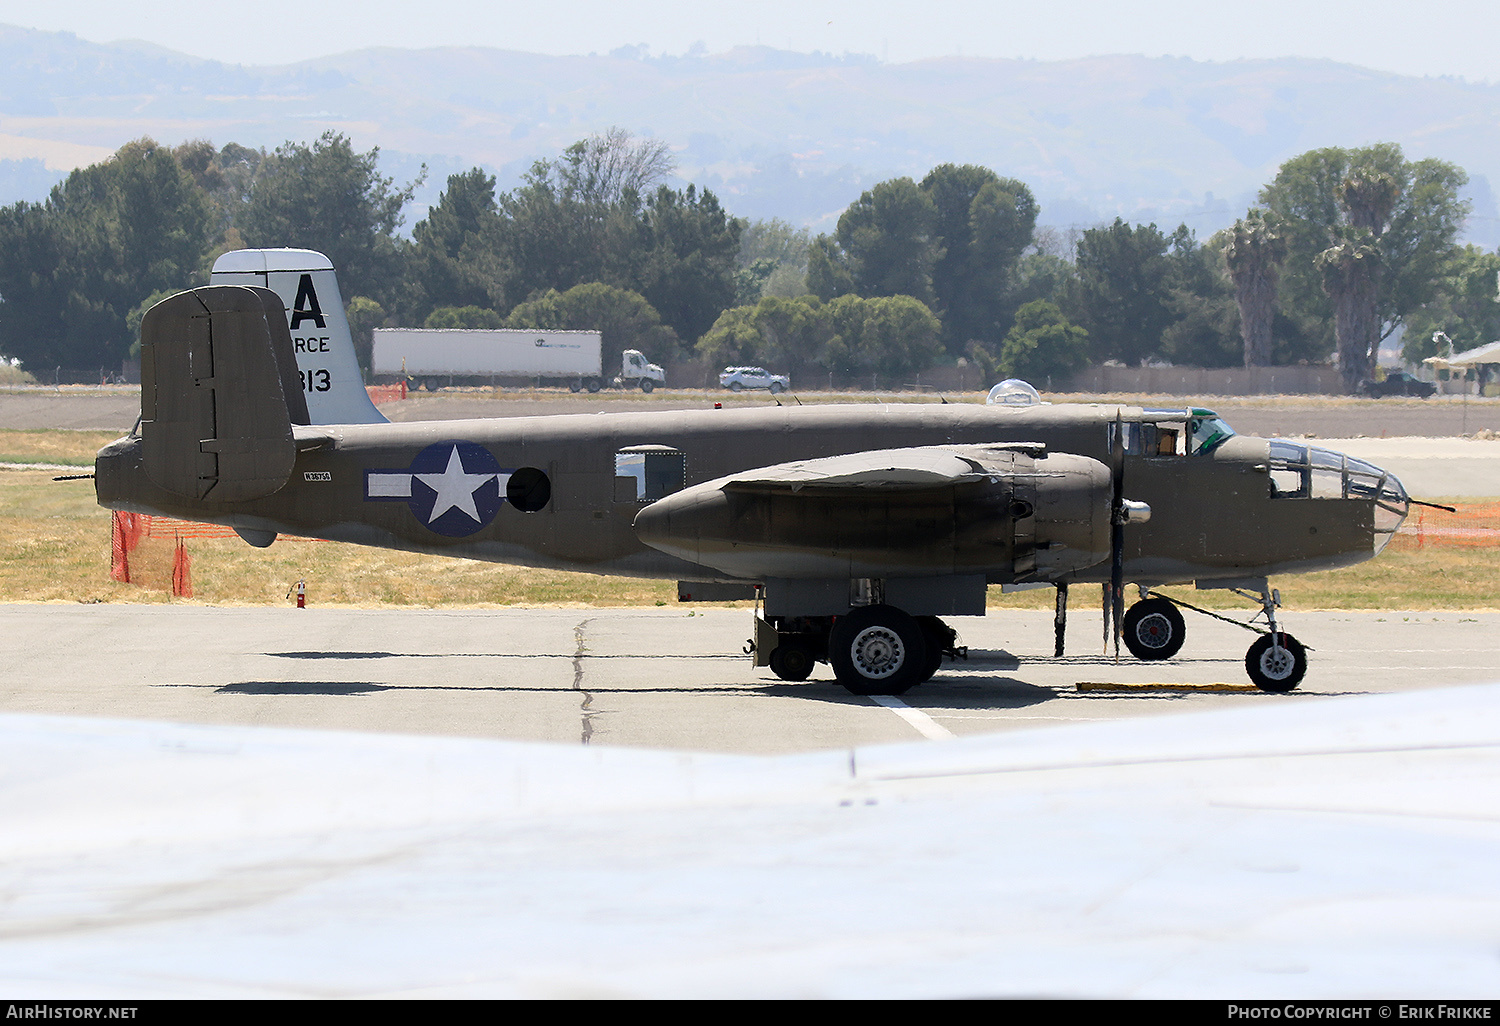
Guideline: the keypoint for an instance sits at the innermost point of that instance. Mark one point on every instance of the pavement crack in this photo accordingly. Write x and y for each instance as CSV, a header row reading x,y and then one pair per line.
x,y
580,647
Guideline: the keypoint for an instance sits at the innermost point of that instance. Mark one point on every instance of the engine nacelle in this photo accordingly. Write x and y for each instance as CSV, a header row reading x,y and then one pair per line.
x,y
1012,513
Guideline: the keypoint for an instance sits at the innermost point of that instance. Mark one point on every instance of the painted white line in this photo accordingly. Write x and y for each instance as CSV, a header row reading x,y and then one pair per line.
x,y
924,724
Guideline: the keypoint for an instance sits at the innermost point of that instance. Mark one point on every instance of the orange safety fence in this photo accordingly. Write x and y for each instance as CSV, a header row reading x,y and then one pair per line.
x,y
148,550
387,393
1474,525
142,554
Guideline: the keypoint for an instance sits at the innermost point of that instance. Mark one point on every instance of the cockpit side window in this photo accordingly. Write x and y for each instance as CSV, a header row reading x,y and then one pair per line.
x,y
1177,433
1152,439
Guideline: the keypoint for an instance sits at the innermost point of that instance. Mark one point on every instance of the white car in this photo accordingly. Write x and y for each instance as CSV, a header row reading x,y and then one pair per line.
x,y
738,378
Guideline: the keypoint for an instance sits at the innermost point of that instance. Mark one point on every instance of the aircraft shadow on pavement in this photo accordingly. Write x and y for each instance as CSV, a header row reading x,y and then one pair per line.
x,y
499,655
996,692
302,687
343,687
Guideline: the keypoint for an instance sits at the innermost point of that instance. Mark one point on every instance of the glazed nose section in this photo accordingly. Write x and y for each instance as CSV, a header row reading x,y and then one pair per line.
x,y
1391,506
1308,472
1358,479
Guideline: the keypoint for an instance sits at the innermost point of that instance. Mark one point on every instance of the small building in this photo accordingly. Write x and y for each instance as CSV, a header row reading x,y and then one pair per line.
x,y
1483,360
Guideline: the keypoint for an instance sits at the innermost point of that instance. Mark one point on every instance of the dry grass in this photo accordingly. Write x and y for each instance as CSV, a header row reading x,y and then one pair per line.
x,y
76,448
55,546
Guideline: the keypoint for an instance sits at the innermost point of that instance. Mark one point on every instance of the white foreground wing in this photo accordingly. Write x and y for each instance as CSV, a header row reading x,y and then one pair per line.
x,y
1341,848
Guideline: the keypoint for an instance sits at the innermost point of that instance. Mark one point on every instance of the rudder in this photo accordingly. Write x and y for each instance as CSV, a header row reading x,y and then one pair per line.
x,y
216,419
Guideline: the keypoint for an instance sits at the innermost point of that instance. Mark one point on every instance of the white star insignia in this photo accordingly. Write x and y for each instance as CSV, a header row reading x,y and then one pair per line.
x,y
455,488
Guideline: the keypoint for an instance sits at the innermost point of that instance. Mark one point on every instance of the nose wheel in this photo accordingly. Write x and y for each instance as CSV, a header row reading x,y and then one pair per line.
x,y
1276,662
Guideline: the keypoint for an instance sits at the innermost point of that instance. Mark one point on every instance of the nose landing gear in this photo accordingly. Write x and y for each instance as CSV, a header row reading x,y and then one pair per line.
x,y
1277,661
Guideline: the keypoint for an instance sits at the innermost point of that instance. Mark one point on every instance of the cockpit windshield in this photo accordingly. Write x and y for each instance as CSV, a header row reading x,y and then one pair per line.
x,y
1206,432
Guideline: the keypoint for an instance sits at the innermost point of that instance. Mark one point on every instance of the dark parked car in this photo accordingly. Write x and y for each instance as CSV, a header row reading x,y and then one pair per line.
x,y
1398,383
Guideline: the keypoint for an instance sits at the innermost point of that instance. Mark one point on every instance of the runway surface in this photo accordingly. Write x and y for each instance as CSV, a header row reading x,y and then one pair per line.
x,y
670,678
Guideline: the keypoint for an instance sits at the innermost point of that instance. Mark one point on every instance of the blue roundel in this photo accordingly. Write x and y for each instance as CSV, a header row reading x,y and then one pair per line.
x,y
456,488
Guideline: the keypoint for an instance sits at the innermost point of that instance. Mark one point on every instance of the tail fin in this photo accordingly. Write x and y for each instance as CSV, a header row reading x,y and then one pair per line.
x,y
308,289
219,394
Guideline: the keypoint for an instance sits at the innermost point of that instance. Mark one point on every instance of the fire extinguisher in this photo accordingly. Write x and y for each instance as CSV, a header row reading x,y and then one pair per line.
x,y
301,589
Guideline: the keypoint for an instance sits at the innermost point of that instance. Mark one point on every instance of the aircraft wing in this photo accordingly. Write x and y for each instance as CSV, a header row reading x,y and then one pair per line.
x,y
888,469
1317,849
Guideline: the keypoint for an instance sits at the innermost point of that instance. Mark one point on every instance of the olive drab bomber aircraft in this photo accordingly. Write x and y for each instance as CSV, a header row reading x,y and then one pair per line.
x,y
855,528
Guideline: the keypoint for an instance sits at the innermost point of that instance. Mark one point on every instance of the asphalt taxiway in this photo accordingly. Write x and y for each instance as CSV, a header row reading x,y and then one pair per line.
x,y
667,678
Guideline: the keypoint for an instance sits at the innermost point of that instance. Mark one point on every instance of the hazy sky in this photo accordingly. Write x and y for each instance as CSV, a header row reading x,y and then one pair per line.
x,y
1448,37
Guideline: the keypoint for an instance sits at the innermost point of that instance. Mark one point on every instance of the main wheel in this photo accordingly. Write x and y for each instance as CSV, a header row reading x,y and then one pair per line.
x,y
1154,629
791,660
1276,668
877,650
647,385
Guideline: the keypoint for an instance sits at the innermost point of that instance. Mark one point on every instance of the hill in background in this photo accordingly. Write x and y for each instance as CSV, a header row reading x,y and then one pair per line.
x,y
774,133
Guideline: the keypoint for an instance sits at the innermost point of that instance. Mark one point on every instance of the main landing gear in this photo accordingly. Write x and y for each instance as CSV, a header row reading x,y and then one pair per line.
x,y
874,650
1276,662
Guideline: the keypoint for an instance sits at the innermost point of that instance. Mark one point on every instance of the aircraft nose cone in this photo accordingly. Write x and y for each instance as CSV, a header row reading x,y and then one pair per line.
x,y
674,524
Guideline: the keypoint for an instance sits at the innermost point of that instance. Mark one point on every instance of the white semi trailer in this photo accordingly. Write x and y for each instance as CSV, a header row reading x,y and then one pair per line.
x,y
445,356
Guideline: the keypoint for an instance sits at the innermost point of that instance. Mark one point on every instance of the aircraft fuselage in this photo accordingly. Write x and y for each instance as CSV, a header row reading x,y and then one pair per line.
x,y
461,487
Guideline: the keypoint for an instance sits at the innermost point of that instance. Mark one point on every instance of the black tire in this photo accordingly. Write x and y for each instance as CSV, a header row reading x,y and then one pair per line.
x,y
791,660
647,385
574,386
939,636
593,385
1277,671
776,388
1154,629
735,386
877,650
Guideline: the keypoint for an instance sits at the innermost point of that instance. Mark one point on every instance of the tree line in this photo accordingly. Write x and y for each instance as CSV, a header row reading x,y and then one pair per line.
x,y
1343,248
594,235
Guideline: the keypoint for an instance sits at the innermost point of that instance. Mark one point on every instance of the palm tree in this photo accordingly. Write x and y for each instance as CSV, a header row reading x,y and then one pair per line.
x,y
1255,254
1351,276
1352,269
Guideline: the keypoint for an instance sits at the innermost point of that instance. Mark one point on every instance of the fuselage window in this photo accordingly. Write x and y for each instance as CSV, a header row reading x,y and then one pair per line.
x,y
647,473
528,489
